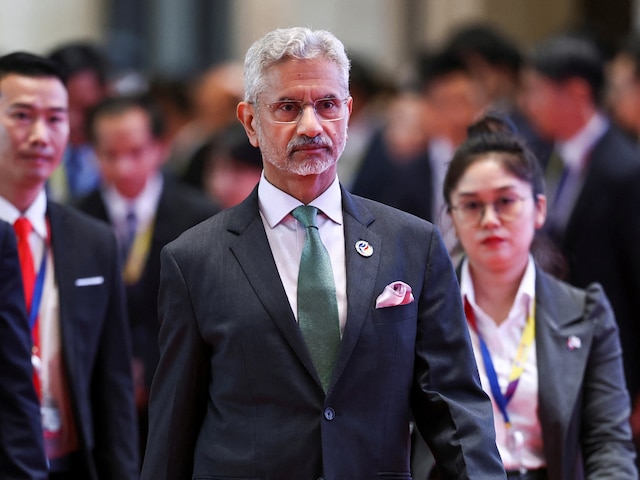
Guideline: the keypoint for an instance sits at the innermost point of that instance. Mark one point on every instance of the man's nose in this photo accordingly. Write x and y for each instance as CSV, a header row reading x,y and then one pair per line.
x,y
309,124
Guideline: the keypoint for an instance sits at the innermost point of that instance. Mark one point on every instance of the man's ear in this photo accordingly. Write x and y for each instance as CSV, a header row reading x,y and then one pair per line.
x,y
247,116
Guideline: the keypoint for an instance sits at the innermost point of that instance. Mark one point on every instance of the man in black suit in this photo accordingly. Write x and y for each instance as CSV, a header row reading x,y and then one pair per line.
x,y
21,441
81,350
294,349
593,181
126,133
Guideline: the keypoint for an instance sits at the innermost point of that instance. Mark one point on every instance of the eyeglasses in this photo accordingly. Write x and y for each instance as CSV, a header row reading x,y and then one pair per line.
x,y
290,111
507,207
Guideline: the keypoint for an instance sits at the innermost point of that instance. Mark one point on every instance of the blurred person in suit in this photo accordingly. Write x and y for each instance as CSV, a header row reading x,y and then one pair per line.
x,y
21,439
566,423
233,168
87,70
592,181
72,284
623,86
290,373
495,62
214,95
146,209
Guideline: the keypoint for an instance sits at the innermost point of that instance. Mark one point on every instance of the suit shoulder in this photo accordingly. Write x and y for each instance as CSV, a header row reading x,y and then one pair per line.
x,y
187,200
580,299
79,221
201,235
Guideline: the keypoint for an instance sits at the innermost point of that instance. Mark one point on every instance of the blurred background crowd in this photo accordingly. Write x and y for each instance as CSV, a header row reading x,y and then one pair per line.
x,y
422,72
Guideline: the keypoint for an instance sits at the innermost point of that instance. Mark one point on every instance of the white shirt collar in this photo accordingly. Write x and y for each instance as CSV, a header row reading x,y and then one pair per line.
x,y
276,204
575,151
36,213
525,295
144,205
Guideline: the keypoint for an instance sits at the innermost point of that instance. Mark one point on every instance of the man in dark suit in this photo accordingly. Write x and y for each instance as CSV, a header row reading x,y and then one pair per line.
x,y
126,133
21,441
298,349
81,351
593,191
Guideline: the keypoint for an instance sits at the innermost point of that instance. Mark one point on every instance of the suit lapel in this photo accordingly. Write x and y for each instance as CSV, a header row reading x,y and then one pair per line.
x,y
64,242
558,318
252,251
361,276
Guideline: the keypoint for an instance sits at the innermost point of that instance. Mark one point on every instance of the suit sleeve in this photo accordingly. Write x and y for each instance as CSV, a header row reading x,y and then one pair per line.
x,y
606,435
451,410
21,441
179,389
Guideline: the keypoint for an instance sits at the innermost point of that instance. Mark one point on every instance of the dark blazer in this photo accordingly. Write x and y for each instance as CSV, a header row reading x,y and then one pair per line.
x,y
602,238
95,342
408,187
583,404
21,449
179,208
236,395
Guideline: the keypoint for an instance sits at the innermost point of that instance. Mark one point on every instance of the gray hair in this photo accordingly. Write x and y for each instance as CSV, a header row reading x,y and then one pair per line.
x,y
291,43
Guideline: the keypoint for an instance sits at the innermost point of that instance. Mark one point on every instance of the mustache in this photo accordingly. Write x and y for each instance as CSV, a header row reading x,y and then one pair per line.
x,y
304,141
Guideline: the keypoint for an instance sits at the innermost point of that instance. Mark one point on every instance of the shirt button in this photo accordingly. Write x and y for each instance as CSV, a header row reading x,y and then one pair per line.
x,y
329,413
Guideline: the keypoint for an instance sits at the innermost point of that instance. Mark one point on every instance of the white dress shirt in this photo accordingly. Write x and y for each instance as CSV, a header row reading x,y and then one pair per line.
x,y
144,206
503,341
55,402
287,236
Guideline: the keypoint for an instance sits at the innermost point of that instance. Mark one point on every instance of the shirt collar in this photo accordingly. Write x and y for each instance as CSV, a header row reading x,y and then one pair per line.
x,y
144,205
525,295
575,151
276,204
36,213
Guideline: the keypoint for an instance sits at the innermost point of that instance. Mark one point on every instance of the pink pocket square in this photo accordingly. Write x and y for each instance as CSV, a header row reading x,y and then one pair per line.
x,y
396,293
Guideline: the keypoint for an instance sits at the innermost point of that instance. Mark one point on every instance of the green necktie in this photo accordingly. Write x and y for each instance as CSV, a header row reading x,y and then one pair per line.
x,y
317,303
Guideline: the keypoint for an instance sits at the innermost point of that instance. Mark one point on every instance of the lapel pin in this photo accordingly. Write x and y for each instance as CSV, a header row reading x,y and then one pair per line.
x,y
363,248
573,342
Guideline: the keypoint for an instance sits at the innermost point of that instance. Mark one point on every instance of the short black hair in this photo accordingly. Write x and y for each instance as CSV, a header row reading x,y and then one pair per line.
x,y
116,105
79,57
433,66
563,57
489,43
29,65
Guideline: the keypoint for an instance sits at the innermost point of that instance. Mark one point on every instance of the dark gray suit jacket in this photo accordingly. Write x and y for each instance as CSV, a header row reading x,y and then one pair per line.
x,y
96,343
583,403
602,238
236,395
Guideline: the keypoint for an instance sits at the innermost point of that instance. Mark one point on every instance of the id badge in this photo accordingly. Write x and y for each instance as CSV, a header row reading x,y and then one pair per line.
x,y
51,421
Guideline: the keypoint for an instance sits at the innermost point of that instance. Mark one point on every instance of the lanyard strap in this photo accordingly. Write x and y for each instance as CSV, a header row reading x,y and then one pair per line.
x,y
517,366
37,291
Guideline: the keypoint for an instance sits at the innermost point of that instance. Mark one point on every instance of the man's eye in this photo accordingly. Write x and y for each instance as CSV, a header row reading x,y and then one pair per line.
x,y
326,105
288,107
505,201
20,115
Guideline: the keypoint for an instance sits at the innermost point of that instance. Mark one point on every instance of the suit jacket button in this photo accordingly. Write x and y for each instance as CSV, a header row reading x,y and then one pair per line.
x,y
329,413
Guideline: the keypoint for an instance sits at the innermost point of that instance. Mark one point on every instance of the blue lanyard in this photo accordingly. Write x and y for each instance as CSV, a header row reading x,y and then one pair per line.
x,y
502,400
37,291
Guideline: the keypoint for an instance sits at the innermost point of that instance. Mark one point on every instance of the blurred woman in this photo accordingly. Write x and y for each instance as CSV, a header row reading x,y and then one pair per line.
x,y
549,354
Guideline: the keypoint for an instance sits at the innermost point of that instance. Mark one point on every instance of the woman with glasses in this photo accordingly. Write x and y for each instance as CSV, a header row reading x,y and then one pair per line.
x,y
548,354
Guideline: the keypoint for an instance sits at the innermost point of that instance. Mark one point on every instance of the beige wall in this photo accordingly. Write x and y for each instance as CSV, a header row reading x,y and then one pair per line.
x,y
370,27
39,25
526,21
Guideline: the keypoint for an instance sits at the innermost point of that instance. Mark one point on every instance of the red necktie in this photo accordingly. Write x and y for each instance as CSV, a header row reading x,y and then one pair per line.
x,y
23,229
